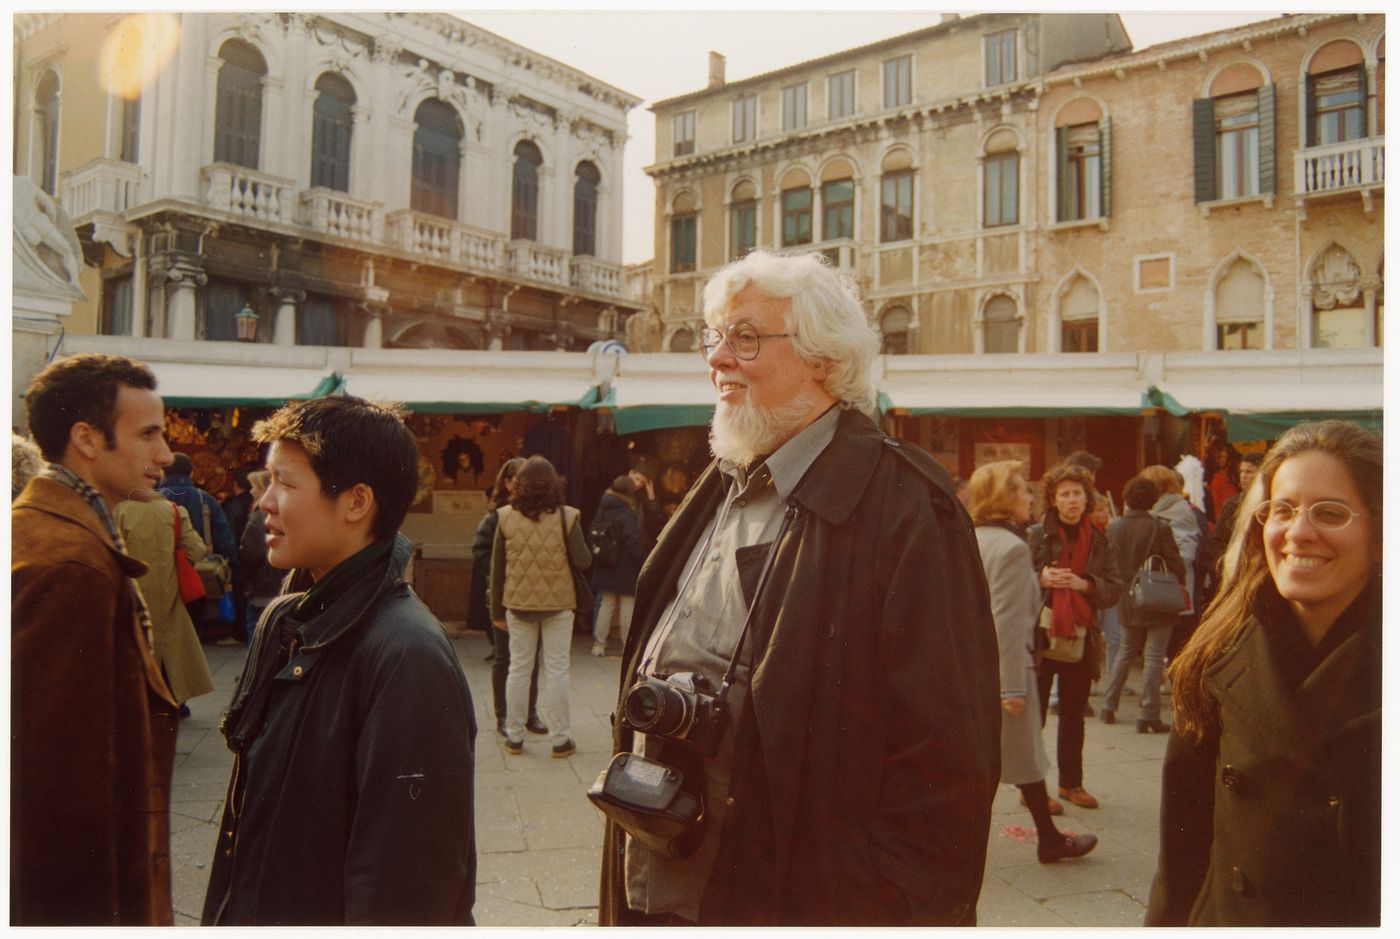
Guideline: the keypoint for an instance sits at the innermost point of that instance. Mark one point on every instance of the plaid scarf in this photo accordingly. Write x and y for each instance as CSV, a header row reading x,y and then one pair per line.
x,y
60,473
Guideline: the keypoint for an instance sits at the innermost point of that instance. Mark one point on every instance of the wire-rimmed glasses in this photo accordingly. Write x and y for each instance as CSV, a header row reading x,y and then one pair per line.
x,y
1326,515
743,339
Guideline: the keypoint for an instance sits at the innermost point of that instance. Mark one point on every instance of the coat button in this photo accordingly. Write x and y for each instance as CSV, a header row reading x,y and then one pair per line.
x,y
729,801
1333,800
228,852
1240,883
1231,779
297,671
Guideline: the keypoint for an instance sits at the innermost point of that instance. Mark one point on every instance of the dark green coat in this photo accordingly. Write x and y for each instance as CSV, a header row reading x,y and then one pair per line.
x,y
1275,820
869,749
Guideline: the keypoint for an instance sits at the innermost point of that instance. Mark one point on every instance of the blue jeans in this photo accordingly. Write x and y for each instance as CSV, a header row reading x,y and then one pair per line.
x,y
1112,632
1152,643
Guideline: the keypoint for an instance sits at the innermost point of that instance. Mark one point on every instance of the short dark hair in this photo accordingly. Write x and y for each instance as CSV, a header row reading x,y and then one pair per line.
x,y
623,485
80,388
180,465
1140,493
350,441
1254,458
1085,459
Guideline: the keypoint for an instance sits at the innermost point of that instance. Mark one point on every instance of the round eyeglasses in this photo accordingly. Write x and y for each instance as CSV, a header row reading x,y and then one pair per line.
x,y
1328,516
743,340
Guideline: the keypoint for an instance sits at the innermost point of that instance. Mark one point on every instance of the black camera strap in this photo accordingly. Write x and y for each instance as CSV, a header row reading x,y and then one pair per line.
x,y
722,696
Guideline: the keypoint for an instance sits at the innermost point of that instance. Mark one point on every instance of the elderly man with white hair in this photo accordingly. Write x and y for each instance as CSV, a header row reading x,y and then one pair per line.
x,y
808,725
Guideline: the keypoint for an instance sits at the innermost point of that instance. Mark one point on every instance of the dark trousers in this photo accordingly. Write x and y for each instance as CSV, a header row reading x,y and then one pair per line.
x,y
1074,694
500,668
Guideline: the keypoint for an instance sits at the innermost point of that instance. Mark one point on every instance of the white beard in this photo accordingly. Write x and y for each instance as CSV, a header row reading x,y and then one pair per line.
x,y
740,433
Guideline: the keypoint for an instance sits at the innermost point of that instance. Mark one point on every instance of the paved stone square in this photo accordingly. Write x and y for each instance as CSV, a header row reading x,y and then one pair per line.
x,y
538,837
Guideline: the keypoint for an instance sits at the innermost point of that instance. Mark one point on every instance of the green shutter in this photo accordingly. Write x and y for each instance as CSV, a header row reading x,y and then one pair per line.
x,y
1365,98
1064,201
1309,133
1268,150
1105,166
1203,147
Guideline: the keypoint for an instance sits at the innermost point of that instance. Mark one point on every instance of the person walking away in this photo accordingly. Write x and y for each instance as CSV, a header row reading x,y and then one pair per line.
x,y
532,596
352,727
92,722
1271,786
180,488
481,586
819,593
1171,506
616,542
999,500
264,582
1136,536
1079,573
237,508
152,526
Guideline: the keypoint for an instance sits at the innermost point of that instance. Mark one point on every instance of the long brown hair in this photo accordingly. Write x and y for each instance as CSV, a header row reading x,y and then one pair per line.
x,y
538,489
500,494
1248,587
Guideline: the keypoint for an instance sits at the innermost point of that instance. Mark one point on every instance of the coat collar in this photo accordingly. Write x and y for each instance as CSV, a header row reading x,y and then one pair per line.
x,y
55,499
1343,691
356,603
839,475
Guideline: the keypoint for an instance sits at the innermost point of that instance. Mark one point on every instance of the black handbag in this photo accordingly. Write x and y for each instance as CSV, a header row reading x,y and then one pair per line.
x,y
1156,589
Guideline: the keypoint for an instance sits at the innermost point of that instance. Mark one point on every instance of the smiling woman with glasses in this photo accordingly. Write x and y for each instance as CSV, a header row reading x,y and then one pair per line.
x,y
1271,783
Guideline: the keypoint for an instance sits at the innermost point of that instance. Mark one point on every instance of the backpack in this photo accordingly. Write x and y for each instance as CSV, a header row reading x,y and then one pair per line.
x,y
602,541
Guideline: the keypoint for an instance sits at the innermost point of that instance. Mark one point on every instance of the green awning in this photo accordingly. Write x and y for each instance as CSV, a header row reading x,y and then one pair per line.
x,y
640,417
1272,425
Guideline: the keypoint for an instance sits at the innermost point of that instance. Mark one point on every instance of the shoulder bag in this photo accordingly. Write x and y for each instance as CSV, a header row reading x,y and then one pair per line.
x,y
1156,589
191,584
583,590
213,568
1059,648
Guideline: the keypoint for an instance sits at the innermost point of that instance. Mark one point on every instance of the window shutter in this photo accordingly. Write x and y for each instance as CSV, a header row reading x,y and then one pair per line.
x,y
1309,134
1105,167
1064,185
1365,104
1268,159
1203,147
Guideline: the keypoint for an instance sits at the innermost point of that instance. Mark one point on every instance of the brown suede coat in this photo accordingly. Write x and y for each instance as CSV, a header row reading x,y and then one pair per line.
x,y
869,749
92,725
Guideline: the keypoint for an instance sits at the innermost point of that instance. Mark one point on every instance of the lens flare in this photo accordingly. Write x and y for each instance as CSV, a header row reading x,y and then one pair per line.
x,y
136,51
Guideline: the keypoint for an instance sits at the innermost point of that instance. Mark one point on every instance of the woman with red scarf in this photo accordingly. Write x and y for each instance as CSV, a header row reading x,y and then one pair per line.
x,y
1078,570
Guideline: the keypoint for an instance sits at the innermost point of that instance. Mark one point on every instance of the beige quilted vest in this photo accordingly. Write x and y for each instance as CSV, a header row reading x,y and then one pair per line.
x,y
537,561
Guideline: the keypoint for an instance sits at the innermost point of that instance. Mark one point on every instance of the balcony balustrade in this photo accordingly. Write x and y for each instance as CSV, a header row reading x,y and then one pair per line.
x,y
538,262
241,191
594,276
1353,164
443,239
335,213
101,185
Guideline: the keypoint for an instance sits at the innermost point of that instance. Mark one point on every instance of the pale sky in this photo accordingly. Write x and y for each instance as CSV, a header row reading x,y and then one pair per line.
x,y
656,55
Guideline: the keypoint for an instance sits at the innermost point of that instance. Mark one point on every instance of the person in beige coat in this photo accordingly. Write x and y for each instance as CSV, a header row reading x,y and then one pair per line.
x,y
147,523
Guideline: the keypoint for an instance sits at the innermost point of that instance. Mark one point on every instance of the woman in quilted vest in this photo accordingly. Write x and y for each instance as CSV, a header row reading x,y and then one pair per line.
x,y
538,539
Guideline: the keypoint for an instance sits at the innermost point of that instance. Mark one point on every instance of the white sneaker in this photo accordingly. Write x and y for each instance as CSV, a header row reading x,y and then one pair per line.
x,y
599,649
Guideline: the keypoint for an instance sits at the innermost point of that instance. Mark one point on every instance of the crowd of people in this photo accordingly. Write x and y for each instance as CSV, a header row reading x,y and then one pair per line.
x,y
832,656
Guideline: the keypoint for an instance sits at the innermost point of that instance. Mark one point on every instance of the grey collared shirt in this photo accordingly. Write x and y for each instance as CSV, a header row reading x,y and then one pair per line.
x,y
698,633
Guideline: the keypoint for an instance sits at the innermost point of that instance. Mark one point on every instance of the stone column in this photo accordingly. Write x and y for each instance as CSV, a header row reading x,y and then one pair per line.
x,y
497,328
284,326
180,322
140,293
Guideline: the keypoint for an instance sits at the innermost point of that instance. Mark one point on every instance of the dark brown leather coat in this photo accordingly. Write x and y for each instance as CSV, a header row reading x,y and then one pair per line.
x,y
869,749
93,732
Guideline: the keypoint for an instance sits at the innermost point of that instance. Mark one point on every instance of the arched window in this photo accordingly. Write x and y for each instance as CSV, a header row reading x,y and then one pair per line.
x,y
743,219
683,233
46,110
238,107
1081,161
894,331
1079,317
796,196
838,201
437,159
1339,318
1001,331
586,180
525,192
332,121
1234,135
682,340
1335,96
1001,181
1239,307
897,196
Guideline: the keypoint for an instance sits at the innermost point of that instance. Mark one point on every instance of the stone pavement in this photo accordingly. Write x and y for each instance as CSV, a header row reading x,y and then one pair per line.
x,y
538,837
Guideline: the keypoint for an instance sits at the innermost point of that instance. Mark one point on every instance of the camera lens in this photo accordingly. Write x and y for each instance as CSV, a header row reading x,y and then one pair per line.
x,y
654,707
